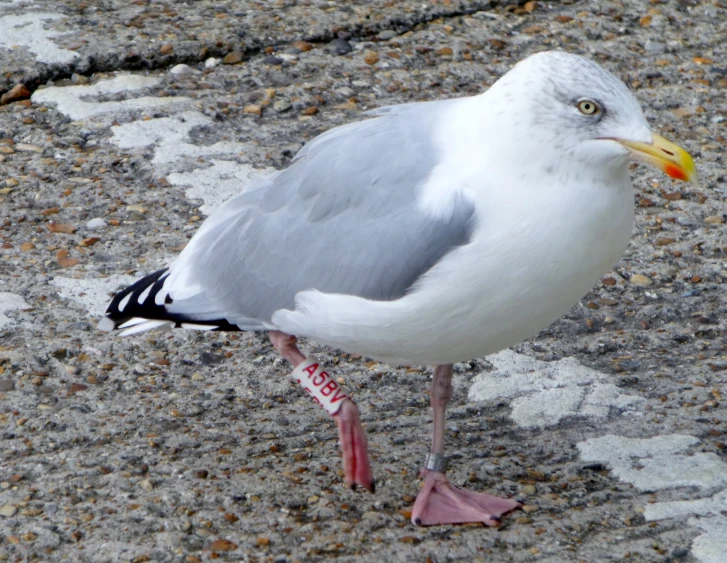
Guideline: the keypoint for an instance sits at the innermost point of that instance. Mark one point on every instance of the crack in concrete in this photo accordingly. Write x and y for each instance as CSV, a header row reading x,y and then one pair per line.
x,y
356,30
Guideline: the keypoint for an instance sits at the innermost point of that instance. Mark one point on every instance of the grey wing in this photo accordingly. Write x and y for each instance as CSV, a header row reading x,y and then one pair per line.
x,y
343,218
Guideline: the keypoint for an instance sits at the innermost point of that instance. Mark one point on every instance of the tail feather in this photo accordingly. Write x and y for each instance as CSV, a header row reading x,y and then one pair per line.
x,y
143,306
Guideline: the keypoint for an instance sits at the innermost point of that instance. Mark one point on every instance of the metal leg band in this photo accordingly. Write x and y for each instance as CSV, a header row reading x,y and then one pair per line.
x,y
436,462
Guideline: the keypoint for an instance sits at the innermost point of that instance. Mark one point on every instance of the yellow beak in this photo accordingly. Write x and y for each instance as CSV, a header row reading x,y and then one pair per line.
x,y
664,155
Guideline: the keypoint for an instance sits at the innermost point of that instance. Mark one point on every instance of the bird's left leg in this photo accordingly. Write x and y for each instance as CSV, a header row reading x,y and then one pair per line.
x,y
356,465
440,502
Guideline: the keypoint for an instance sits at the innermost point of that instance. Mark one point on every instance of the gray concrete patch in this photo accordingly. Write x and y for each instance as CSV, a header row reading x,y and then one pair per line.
x,y
91,294
33,32
544,393
657,463
72,100
9,302
660,463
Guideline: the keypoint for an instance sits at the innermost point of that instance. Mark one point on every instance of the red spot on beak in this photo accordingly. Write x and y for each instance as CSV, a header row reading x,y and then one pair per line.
x,y
674,171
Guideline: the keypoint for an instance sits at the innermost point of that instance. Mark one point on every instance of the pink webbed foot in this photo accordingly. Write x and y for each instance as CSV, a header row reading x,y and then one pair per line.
x,y
356,465
440,502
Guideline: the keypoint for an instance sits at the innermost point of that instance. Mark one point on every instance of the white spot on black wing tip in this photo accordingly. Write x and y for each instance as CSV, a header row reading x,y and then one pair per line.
x,y
143,295
123,303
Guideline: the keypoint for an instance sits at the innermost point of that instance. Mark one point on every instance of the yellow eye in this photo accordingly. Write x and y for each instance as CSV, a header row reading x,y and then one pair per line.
x,y
588,107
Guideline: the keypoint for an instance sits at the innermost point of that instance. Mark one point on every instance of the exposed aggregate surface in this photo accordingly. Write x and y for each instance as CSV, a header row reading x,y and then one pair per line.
x,y
190,447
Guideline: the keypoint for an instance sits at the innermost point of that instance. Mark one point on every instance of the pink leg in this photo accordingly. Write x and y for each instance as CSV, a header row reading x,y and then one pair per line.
x,y
356,465
440,502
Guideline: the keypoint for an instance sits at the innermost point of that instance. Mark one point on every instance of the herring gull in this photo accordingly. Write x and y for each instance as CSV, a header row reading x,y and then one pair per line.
x,y
430,233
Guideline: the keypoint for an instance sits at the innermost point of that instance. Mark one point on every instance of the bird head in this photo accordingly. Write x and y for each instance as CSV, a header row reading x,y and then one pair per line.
x,y
584,113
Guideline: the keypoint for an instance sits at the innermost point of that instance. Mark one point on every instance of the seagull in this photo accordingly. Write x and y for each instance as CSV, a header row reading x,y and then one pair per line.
x,y
429,233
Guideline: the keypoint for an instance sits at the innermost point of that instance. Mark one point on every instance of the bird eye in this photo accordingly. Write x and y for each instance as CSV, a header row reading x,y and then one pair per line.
x,y
588,107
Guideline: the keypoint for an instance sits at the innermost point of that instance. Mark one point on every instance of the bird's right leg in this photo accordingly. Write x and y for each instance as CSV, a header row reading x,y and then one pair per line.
x,y
356,465
439,501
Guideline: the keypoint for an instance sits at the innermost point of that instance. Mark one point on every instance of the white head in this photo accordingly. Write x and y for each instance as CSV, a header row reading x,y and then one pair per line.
x,y
566,108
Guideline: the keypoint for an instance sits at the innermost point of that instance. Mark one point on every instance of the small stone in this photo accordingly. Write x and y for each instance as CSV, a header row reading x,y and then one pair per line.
x,y
523,520
4,149
211,62
655,47
222,544
253,109
310,111
528,508
371,58
77,387
201,474
340,47
25,147
281,106
640,279
528,490
8,511
532,29
63,259
345,91
232,58
95,224
54,227
304,46
19,92
79,79
89,241
183,69
288,57
386,34
6,385
445,52
146,484
262,541
273,60
714,220
664,241
166,49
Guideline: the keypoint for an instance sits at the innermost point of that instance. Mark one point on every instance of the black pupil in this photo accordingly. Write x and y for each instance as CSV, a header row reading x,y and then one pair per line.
x,y
587,107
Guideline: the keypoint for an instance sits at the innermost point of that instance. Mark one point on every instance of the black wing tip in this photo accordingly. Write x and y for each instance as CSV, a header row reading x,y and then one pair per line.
x,y
116,314
132,307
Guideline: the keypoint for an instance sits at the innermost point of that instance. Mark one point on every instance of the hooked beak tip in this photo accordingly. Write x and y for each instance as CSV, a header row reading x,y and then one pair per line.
x,y
673,160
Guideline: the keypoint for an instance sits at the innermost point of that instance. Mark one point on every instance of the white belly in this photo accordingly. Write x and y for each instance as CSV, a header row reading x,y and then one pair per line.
x,y
528,263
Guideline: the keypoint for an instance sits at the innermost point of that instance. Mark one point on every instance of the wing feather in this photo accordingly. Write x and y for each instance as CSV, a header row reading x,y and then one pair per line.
x,y
343,218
